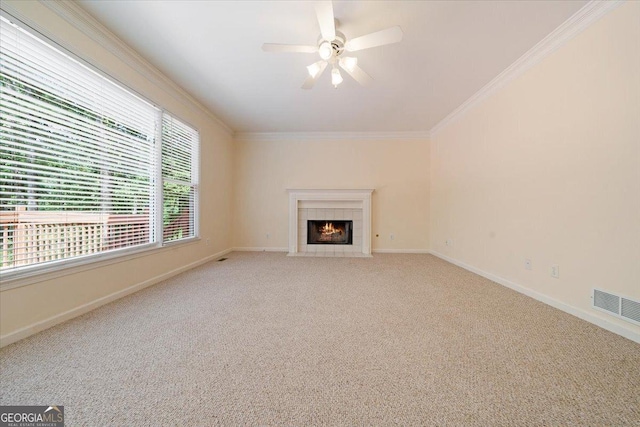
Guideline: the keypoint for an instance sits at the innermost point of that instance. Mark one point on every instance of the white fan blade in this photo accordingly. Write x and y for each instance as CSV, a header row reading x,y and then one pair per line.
x,y
311,80
274,47
324,11
379,38
357,73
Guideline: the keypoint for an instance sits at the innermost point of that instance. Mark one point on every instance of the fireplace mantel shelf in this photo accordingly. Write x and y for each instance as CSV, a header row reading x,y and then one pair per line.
x,y
352,198
332,191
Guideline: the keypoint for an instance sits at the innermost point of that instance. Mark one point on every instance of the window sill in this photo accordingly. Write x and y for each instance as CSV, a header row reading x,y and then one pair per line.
x,y
31,275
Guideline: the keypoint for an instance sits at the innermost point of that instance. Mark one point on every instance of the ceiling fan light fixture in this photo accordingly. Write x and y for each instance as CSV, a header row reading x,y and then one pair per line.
x,y
336,77
331,45
325,50
349,63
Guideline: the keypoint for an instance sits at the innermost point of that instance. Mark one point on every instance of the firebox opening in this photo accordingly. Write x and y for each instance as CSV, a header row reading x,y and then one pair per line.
x,y
330,232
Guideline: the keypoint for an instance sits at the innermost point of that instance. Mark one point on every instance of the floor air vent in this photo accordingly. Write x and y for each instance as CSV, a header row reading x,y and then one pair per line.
x,y
616,305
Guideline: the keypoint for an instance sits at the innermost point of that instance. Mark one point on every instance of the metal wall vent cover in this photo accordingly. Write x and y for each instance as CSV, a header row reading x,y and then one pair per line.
x,y
624,308
630,309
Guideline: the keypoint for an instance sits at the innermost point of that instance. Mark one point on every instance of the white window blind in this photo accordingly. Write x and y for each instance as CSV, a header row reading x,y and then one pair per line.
x,y
78,163
180,147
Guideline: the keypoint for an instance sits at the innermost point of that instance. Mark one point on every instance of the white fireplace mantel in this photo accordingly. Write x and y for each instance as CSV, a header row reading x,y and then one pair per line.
x,y
319,198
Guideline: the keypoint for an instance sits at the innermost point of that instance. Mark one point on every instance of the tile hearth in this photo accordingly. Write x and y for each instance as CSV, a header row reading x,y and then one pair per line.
x,y
331,254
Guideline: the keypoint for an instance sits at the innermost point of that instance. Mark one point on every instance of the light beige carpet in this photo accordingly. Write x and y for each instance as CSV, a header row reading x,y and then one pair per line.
x,y
265,339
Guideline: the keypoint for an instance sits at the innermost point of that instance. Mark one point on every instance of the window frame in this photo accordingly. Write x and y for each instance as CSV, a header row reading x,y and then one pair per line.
x,y
39,272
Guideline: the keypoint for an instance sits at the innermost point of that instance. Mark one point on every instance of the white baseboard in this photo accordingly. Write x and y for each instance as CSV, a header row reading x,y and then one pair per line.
x,y
379,251
400,251
611,327
261,249
85,308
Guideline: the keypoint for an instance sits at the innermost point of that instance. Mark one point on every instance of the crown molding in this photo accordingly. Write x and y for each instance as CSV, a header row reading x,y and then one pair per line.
x,y
83,21
578,22
328,136
88,25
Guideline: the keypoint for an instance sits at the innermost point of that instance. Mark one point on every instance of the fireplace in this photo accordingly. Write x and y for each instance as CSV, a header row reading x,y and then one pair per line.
x,y
331,232
351,207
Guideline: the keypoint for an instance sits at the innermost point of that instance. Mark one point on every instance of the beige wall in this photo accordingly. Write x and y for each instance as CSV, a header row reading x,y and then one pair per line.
x,y
28,306
397,169
549,169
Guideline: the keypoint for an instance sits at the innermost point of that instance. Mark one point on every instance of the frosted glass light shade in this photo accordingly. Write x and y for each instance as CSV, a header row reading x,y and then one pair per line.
x,y
336,77
349,63
325,50
314,69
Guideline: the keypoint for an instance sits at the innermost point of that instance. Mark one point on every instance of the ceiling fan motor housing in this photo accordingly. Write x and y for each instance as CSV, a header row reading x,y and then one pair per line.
x,y
337,44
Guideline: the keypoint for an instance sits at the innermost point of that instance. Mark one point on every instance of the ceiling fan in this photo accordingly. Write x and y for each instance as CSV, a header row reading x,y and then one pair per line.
x,y
331,46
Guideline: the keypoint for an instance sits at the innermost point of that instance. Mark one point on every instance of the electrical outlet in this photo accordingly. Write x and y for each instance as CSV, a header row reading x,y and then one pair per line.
x,y
392,236
555,271
208,241
268,236
527,264
449,242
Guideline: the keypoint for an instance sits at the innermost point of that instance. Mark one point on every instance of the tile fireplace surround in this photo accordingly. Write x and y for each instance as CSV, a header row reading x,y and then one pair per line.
x,y
317,204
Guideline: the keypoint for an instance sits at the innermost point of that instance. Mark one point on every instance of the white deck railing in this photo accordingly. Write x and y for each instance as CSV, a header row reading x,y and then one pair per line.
x,y
30,237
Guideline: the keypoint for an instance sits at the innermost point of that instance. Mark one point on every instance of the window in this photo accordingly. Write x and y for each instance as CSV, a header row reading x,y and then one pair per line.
x,y
179,179
84,162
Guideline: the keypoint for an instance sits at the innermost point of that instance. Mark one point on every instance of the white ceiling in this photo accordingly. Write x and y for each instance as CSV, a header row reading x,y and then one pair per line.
x,y
450,50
